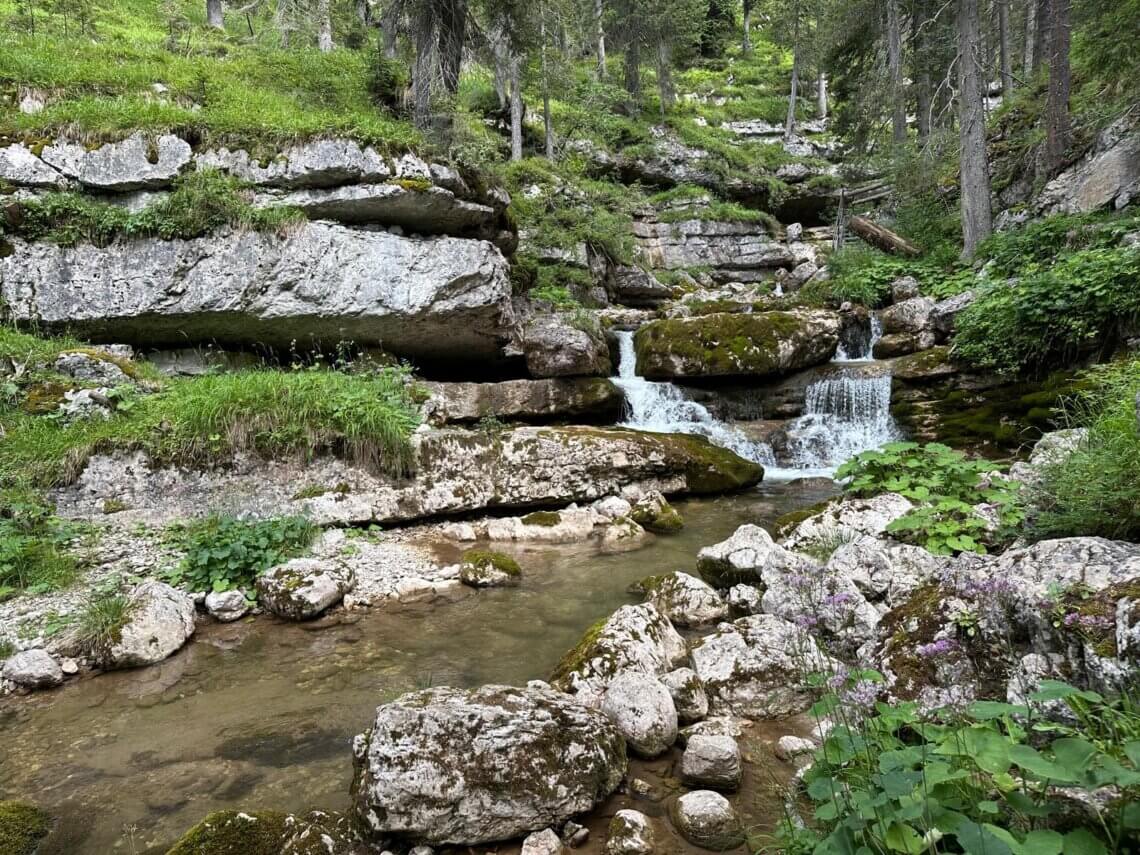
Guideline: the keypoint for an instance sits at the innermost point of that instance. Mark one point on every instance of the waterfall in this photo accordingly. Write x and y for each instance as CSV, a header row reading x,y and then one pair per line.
x,y
867,347
843,416
663,408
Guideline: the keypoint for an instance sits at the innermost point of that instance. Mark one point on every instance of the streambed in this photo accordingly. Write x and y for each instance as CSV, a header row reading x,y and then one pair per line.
x,y
260,714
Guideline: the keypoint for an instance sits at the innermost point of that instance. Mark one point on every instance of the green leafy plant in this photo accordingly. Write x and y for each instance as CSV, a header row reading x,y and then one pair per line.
x,y
889,779
946,485
33,546
223,553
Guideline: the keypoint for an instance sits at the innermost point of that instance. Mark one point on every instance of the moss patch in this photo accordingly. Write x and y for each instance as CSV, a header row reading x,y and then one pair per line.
x,y
659,520
230,832
787,523
547,519
486,560
22,827
577,657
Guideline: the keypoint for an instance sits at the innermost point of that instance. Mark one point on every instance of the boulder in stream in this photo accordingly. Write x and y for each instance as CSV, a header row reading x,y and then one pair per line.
x,y
33,669
707,819
642,708
157,621
302,588
713,762
630,833
686,600
449,766
482,568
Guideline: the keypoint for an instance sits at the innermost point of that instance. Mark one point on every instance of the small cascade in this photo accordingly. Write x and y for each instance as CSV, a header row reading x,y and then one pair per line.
x,y
663,408
866,346
843,415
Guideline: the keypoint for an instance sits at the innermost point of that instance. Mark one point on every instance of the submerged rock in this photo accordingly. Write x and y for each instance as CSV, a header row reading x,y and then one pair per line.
x,y
268,832
484,569
653,513
22,827
765,344
630,833
437,298
642,709
158,620
707,819
634,638
302,588
33,669
446,766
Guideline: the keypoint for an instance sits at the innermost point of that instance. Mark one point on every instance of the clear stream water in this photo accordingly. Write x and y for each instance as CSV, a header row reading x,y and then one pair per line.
x,y
260,714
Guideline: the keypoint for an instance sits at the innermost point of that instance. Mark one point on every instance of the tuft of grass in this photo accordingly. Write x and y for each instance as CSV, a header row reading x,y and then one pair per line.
x,y
202,202
367,418
100,623
1095,491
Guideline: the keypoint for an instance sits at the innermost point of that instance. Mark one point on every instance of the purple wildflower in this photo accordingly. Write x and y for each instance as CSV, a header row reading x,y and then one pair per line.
x,y
806,621
937,648
840,599
862,695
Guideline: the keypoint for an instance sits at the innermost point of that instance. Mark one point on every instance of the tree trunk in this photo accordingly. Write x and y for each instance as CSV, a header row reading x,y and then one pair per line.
x,y
883,238
516,108
499,56
1005,48
423,69
919,39
600,37
547,117
1030,36
324,27
452,37
977,218
214,17
1040,33
1057,123
665,89
389,25
894,69
746,43
793,95
363,12
821,95
633,73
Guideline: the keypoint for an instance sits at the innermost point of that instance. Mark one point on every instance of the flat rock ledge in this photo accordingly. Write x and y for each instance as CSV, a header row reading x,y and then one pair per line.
x,y
457,472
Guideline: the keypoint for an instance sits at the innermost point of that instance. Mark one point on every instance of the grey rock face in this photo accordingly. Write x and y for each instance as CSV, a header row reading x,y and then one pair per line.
x,y
159,620
20,167
630,833
688,693
748,556
136,163
33,669
713,762
91,369
642,709
883,571
555,348
317,163
756,667
632,286
687,601
706,819
304,587
1108,176
227,606
435,298
744,600
634,638
910,316
544,842
595,398
945,313
445,766
707,243
432,211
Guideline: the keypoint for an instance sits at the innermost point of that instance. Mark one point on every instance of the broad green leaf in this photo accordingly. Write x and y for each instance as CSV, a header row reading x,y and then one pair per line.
x,y
1083,842
903,838
1042,842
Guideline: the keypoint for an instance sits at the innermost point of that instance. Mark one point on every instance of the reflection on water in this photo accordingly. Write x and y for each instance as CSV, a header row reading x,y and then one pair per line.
x,y
260,714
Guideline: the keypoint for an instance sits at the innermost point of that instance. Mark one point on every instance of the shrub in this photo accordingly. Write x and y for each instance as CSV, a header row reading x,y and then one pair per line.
x,y
946,486
891,779
1095,491
223,553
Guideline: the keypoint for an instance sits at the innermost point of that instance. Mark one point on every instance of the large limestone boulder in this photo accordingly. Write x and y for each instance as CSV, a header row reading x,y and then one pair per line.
x,y
437,298
136,163
688,693
707,819
757,667
446,766
643,711
1053,449
20,167
634,638
883,571
910,316
302,588
713,762
686,600
765,344
158,620
729,246
632,286
844,519
33,669
593,399
1108,176
315,163
748,556
555,347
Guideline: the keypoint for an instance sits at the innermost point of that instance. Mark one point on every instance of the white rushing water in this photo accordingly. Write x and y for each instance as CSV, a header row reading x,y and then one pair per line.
x,y
867,354
844,414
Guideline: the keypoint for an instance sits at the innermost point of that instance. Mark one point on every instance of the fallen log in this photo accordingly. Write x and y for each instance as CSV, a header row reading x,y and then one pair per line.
x,y
884,239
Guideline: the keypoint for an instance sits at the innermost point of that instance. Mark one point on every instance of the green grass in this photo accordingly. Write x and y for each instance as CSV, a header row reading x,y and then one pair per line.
x,y
100,624
34,556
366,417
1095,491
201,203
247,90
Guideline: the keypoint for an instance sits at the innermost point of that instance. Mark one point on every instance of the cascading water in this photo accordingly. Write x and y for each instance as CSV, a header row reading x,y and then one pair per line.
x,y
663,408
866,349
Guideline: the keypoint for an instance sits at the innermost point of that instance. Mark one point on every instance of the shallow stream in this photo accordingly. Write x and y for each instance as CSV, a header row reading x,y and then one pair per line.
x,y
260,714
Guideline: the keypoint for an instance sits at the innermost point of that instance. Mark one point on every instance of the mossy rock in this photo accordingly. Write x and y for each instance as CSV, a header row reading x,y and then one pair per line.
x,y
486,569
647,585
547,519
42,398
659,519
576,658
22,827
231,832
788,522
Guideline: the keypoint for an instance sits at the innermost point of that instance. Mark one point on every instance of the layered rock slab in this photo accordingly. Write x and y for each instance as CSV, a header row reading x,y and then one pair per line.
x,y
446,766
429,298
